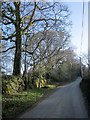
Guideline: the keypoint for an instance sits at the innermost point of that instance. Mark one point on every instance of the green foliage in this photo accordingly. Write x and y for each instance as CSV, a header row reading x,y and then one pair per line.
x,y
36,74
19,102
38,78
47,75
65,72
40,83
12,84
85,86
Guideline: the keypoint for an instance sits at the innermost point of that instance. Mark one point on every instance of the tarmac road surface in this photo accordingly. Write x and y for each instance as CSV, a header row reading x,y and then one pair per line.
x,y
66,102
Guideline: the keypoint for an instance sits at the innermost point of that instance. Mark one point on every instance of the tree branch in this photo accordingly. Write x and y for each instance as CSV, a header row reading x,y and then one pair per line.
x,y
30,21
7,49
38,44
43,19
3,15
9,37
8,23
27,52
46,7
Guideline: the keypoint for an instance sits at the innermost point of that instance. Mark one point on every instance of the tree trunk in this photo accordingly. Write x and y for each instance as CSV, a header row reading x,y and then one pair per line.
x,y
17,58
25,69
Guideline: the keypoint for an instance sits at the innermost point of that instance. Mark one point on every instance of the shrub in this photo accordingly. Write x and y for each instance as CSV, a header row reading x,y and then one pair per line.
x,y
40,83
12,84
85,85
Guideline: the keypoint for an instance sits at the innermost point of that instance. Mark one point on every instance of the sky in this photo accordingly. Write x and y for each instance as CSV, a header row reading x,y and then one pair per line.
x,y
76,9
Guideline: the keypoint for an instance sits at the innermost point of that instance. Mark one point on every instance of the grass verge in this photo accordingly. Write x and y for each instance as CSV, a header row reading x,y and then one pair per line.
x,y
15,104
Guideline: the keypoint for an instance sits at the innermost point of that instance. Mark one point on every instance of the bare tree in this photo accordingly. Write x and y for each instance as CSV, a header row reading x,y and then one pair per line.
x,y
18,17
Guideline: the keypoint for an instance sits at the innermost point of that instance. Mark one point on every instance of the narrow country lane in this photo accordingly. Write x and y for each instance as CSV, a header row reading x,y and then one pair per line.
x,y
66,102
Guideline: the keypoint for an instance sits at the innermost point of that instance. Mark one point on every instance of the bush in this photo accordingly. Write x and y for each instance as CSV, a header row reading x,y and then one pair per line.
x,y
12,84
85,85
40,83
46,75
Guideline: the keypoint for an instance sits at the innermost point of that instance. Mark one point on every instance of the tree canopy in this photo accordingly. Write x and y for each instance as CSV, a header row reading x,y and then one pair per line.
x,y
34,28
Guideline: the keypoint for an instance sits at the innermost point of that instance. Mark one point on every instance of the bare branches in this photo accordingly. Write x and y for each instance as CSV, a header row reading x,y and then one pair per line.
x,y
9,37
30,21
34,22
46,19
45,8
7,49
6,23
9,18
31,53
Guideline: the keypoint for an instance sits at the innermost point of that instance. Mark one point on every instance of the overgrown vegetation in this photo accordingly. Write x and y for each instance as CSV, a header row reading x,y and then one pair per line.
x,y
85,86
85,83
12,84
14,104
